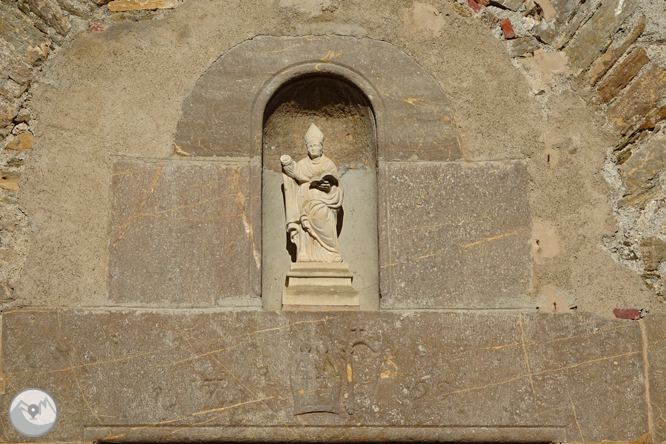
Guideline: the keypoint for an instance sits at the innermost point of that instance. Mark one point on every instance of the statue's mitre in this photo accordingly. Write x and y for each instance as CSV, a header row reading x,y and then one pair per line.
x,y
314,135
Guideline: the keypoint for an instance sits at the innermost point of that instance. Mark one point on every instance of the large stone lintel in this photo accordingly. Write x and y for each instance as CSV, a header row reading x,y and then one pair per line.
x,y
531,435
165,377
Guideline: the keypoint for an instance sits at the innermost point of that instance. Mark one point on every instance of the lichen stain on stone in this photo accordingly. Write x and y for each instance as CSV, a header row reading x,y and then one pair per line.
x,y
389,369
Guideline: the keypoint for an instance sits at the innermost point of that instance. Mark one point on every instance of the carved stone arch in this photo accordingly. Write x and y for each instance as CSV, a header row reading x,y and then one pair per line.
x,y
223,115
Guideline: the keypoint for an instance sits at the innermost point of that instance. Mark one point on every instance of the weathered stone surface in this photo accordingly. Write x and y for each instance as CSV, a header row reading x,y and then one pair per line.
x,y
591,38
460,9
653,252
12,64
622,74
455,235
137,5
523,46
50,12
180,234
488,18
548,12
77,7
127,376
655,116
23,116
579,14
558,14
507,4
6,295
9,180
7,112
28,41
11,90
507,29
23,141
601,66
223,115
643,167
640,98
627,313
655,341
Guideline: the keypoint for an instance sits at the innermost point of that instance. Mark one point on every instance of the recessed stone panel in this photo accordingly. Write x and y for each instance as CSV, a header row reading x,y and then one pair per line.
x,y
455,235
131,376
181,234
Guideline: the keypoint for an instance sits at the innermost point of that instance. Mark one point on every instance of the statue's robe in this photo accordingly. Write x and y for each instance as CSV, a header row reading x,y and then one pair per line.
x,y
313,213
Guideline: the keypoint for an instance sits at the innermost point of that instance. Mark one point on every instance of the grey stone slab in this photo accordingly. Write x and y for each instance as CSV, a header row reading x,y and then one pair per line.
x,y
223,115
455,235
591,39
181,234
131,376
655,332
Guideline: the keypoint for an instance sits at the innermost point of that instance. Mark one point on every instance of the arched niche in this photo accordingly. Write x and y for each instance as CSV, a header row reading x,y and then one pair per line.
x,y
345,116
223,118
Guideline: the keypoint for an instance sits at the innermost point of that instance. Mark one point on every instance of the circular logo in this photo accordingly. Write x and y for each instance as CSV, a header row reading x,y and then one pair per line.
x,y
33,412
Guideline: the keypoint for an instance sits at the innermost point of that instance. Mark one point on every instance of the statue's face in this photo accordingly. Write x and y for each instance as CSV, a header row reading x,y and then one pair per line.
x,y
315,149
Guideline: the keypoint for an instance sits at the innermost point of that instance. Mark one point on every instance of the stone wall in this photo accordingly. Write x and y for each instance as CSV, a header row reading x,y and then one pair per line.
x,y
30,33
555,141
610,54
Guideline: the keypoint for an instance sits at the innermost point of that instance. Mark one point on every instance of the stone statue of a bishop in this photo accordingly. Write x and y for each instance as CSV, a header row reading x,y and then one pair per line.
x,y
313,197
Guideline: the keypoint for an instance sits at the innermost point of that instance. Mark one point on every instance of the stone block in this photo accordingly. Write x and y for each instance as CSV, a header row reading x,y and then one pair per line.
x,y
13,65
474,5
624,73
11,90
8,111
18,30
643,166
523,46
181,234
125,376
9,180
653,117
591,38
507,29
507,4
223,115
456,235
640,98
137,5
23,141
50,12
627,313
653,252
601,66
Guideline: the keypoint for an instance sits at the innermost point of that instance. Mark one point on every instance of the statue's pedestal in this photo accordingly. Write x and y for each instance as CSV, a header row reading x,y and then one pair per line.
x,y
319,286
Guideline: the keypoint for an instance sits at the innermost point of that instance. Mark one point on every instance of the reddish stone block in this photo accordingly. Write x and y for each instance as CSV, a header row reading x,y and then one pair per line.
x,y
507,29
627,313
474,5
